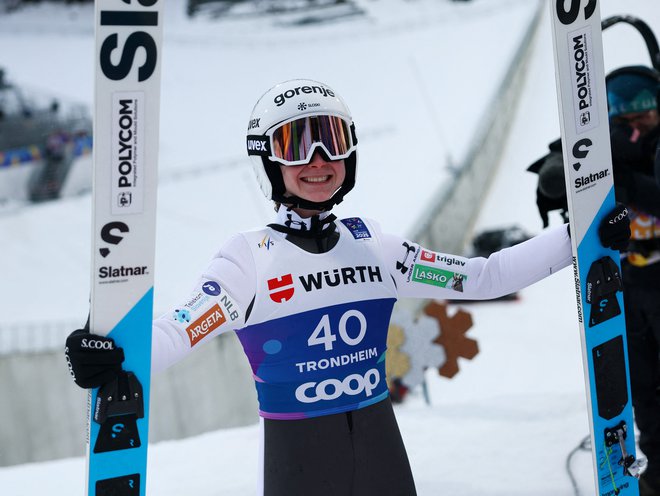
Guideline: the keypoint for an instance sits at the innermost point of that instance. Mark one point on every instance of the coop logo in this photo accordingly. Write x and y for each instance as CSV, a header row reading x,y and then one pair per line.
x,y
207,323
331,389
583,84
281,99
281,288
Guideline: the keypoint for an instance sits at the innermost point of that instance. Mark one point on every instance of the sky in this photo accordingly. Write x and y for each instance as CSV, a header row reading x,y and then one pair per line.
x,y
507,421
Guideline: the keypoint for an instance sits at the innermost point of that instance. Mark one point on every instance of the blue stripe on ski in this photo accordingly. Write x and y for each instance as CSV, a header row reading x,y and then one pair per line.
x,y
589,250
133,334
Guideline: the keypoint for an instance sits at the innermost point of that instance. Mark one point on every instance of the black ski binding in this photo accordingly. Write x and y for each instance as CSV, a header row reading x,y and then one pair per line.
x,y
121,396
119,404
618,434
603,282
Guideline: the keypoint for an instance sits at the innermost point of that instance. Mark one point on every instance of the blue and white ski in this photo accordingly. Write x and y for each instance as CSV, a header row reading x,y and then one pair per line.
x,y
126,123
585,135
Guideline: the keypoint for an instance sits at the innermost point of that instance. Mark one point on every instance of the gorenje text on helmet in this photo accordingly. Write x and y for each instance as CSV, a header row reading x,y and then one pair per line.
x,y
281,98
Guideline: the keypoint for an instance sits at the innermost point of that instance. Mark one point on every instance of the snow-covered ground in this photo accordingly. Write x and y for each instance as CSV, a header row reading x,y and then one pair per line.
x,y
505,424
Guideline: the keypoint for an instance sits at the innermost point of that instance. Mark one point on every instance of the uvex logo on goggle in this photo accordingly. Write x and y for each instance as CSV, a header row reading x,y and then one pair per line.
x,y
258,145
307,90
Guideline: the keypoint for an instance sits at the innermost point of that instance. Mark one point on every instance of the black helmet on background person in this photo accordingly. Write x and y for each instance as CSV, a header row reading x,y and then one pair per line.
x,y
632,89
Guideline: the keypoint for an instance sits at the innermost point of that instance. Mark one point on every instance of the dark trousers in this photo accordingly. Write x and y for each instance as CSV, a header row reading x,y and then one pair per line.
x,y
642,306
358,453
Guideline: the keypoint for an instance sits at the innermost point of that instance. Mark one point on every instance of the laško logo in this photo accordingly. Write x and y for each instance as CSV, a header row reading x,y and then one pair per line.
x,y
281,288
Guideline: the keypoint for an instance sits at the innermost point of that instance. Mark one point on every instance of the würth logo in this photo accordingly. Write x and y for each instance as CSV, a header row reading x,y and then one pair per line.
x,y
281,288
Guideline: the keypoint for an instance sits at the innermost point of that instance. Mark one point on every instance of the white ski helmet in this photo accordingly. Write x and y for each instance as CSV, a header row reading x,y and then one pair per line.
x,y
289,123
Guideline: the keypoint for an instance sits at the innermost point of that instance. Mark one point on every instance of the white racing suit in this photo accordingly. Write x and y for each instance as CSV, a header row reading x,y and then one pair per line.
x,y
313,324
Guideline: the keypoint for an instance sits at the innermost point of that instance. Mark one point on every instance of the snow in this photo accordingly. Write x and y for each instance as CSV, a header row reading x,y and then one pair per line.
x,y
411,71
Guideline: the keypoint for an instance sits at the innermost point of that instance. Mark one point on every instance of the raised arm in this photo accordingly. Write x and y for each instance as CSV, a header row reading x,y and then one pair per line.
x,y
423,273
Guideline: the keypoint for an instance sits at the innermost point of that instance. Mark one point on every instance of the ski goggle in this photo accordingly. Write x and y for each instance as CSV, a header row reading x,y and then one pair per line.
x,y
294,142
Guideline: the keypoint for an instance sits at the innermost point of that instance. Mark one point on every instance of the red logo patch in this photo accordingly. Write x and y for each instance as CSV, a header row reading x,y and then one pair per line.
x,y
281,288
428,256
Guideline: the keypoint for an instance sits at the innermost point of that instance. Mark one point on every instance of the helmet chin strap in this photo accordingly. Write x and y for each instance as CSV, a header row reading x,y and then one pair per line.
x,y
297,202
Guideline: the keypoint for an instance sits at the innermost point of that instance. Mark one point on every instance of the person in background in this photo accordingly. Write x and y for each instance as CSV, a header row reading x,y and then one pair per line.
x,y
310,298
632,94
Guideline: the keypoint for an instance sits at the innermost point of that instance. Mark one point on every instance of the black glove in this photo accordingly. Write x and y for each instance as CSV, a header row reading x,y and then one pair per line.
x,y
93,360
614,229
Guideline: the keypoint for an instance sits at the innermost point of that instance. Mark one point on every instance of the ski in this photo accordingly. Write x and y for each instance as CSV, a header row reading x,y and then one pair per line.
x,y
580,77
126,121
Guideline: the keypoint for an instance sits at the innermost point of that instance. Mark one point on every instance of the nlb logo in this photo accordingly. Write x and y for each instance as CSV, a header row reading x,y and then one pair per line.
x,y
281,288
331,389
207,323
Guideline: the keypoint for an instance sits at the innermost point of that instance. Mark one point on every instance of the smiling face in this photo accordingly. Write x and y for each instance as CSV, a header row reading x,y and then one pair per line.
x,y
316,181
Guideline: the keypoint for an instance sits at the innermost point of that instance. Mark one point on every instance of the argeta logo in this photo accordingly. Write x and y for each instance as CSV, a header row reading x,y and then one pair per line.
x,y
207,323
108,236
281,288
211,288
